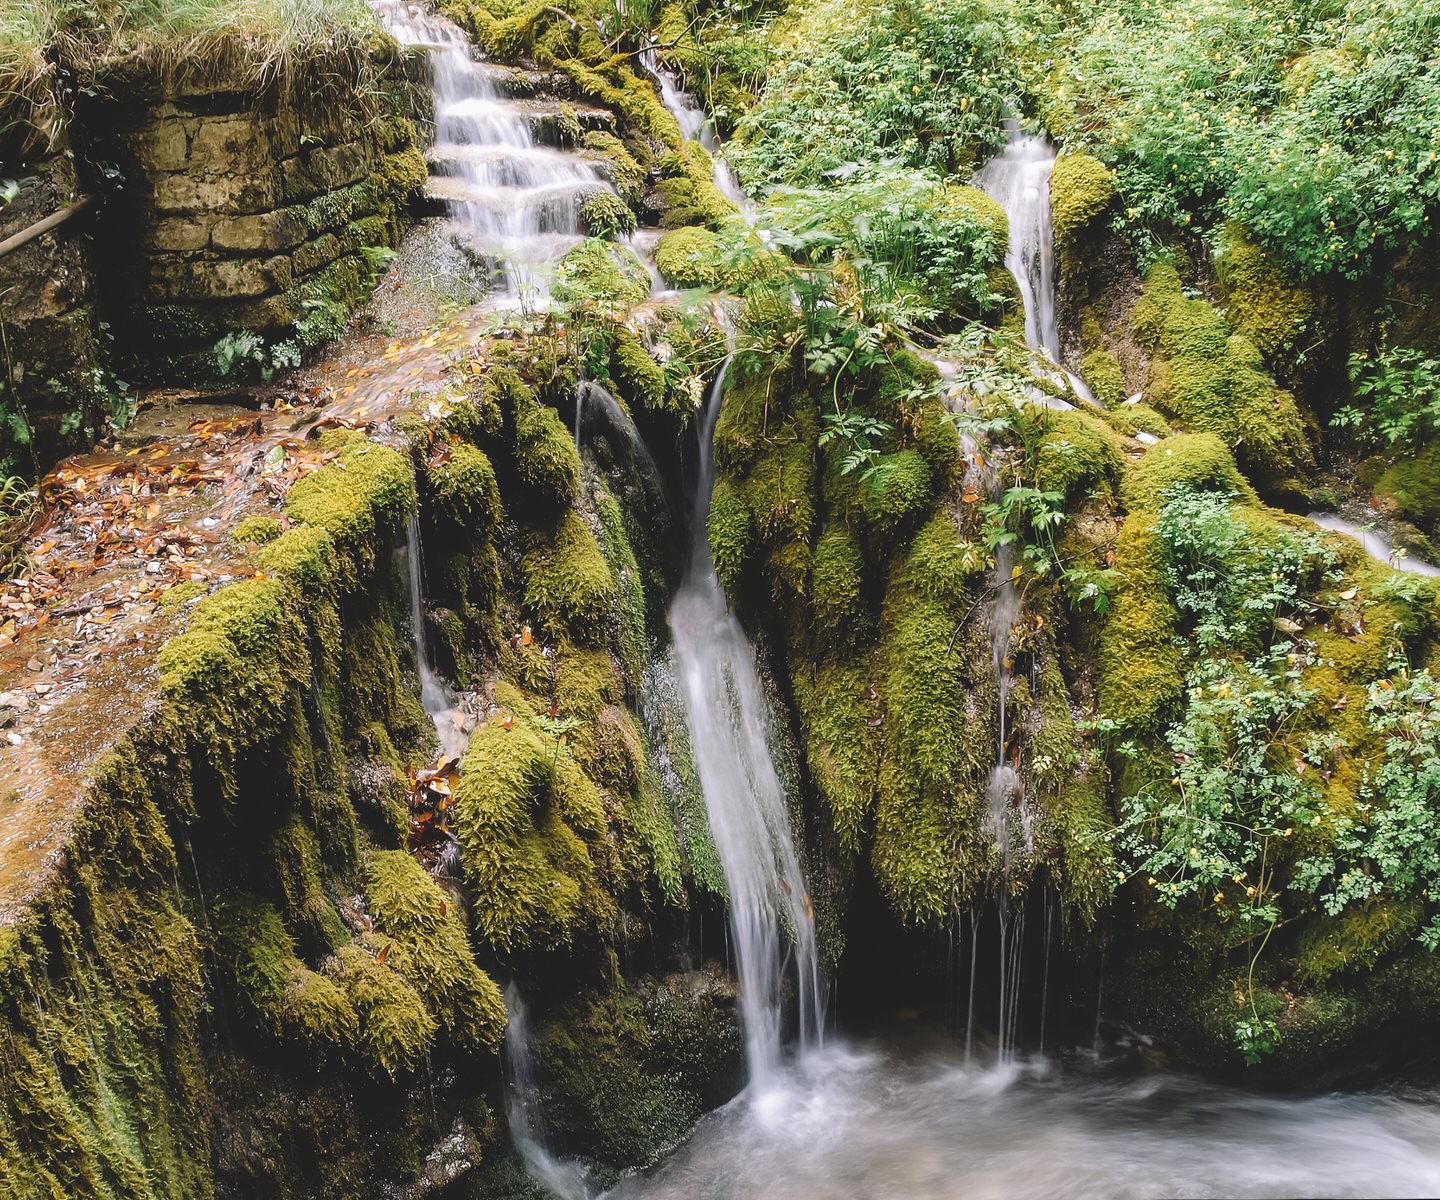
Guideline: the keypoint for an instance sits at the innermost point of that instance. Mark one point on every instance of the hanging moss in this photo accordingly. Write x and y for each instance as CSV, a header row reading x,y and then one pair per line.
x,y
567,581
638,374
836,578
463,487
431,952
395,1029
897,492
1081,189
1141,671
731,534
626,175
546,462
1264,302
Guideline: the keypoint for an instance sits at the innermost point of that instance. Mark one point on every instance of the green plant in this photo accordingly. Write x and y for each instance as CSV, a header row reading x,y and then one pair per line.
x,y
1402,387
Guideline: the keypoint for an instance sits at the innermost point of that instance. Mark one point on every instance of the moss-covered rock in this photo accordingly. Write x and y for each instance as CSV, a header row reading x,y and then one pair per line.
x,y
603,214
689,258
1199,461
1214,381
1263,299
567,581
1081,189
1141,670
1103,376
597,272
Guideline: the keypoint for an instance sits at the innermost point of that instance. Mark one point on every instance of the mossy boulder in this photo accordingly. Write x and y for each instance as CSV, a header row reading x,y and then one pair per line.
x,y
1081,190
568,585
689,258
1264,300
603,214
1141,669
1214,381
1104,377
598,272
1077,454
1199,461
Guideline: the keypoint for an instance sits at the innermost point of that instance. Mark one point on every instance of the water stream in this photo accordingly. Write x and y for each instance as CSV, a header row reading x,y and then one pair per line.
x,y
565,1179
771,917
903,1122
1019,178
439,701
1374,543
514,204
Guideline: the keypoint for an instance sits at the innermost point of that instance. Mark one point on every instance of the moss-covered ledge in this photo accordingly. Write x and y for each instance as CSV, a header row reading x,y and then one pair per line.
x,y
232,754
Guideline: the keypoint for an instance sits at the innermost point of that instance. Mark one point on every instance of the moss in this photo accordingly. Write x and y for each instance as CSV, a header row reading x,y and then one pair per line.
x,y
1264,301
1141,671
687,191
732,534
1103,376
1214,381
432,953
638,374
1132,419
626,175
396,1031
525,815
567,581
1199,461
1356,939
598,272
942,564
546,461
353,497
181,594
406,172
1081,189
1076,455
897,493
1411,488
836,581
971,201
256,530
464,488
603,214
689,258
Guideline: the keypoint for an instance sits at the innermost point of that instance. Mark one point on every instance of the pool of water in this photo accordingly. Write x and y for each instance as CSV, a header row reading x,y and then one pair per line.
x,y
881,1123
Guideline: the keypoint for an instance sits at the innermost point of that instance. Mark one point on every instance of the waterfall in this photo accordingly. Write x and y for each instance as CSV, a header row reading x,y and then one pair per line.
x,y
565,1180
726,712
1019,178
695,126
514,204
434,695
1374,543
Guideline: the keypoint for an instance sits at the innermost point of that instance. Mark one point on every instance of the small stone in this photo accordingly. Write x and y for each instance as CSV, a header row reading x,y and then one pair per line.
x,y
43,689
15,739
15,700
35,664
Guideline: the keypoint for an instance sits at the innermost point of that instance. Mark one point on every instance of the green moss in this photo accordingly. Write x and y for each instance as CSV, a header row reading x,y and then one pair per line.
x,y
626,175
396,1031
546,461
1141,671
942,564
606,215
731,534
687,191
1356,939
1214,381
525,815
638,374
567,581
689,258
1081,189
464,488
837,577
180,595
1132,419
1199,461
1264,302
256,530
599,272
971,201
432,953
1411,488
1103,375
354,497
1077,454
406,172
897,492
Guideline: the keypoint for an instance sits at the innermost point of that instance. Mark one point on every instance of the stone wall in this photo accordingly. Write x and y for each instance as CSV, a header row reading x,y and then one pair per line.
x,y
242,212
220,208
49,352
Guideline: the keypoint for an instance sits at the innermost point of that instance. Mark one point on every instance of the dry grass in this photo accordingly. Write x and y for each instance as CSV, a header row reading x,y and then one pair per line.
x,y
173,41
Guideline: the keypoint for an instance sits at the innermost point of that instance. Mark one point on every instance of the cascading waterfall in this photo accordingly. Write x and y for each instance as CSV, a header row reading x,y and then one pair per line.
x,y
726,712
565,1180
434,695
514,204
1019,178
695,126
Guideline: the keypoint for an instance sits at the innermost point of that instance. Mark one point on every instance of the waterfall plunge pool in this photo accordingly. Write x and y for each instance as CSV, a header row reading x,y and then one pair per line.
x,y
888,1120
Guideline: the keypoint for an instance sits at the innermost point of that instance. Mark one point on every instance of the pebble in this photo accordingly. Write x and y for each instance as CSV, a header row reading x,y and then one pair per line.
x,y
15,700
14,738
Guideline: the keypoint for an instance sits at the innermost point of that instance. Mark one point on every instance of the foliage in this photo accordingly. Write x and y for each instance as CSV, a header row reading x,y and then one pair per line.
x,y
1402,390
916,82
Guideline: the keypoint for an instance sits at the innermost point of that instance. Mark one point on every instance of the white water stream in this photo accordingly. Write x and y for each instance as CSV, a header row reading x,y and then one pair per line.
x,y
1019,178
514,203
1375,543
771,917
438,700
887,1123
